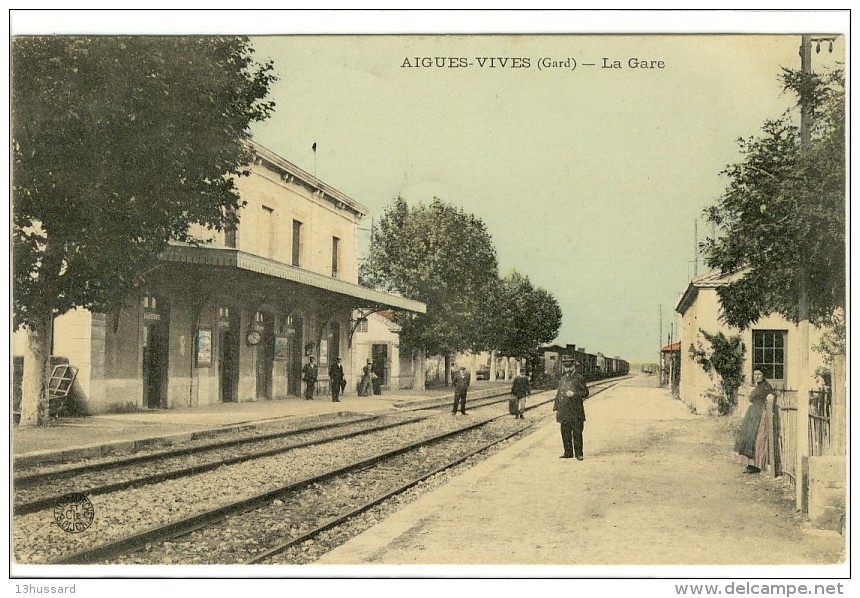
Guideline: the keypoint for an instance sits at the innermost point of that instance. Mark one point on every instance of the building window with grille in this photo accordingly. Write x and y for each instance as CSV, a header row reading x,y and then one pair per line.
x,y
297,243
769,353
335,256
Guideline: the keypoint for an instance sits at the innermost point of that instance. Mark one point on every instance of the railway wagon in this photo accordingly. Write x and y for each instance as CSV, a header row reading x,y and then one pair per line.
x,y
548,365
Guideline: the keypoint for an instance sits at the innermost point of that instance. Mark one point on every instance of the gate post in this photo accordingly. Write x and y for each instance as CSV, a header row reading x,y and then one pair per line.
x,y
838,407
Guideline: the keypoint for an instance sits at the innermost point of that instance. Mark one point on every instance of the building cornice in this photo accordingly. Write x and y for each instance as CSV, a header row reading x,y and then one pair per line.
x,y
289,172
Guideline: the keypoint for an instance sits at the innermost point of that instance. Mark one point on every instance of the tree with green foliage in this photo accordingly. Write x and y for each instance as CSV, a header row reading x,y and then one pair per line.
x,y
118,145
781,219
527,316
442,256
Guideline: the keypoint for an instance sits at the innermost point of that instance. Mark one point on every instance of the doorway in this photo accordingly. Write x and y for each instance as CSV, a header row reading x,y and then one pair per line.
x,y
228,356
263,323
379,354
155,364
294,355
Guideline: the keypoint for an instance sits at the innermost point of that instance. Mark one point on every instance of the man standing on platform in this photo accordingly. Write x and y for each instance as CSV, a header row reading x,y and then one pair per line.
x,y
570,412
519,391
309,375
336,379
461,384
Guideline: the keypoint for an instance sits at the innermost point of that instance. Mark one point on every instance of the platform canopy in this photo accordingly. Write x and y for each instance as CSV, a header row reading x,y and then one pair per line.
x,y
358,295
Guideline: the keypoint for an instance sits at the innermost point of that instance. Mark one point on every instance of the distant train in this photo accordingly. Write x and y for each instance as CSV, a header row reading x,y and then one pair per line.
x,y
592,366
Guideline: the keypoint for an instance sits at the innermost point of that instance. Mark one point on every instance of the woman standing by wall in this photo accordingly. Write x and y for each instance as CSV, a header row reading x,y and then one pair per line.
x,y
752,446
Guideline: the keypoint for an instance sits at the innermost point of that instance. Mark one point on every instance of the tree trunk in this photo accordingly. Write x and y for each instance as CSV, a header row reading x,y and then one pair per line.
x,y
419,370
447,369
493,366
37,363
40,331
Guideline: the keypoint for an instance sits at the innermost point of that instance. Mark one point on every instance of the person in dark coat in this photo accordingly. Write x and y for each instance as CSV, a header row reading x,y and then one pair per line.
x,y
309,375
377,376
520,390
570,412
752,445
336,379
461,381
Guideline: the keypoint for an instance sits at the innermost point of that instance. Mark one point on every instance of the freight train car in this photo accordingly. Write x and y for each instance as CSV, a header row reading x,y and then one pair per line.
x,y
594,366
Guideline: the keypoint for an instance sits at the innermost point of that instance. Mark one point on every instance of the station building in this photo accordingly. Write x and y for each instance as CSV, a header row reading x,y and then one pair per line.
x,y
235,318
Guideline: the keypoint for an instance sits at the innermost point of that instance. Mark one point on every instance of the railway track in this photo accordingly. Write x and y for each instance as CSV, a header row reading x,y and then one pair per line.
x,y
256,515
380,471
44,489
40,491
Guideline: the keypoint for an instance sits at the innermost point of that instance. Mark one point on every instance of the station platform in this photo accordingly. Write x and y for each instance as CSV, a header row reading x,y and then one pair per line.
x,y
657,487
93,436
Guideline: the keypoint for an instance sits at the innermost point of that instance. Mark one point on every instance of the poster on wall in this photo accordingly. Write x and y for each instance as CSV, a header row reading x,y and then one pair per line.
x,y
282,347
323,352
204,347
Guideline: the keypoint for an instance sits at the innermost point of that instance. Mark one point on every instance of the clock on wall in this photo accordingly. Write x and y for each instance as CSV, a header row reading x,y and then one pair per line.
x,y
253,337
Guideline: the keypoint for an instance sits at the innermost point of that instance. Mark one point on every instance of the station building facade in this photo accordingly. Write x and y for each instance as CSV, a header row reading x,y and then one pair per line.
x,y
235,318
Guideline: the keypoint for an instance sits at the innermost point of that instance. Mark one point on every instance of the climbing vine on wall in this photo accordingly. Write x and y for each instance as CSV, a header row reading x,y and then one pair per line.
x,y
726,359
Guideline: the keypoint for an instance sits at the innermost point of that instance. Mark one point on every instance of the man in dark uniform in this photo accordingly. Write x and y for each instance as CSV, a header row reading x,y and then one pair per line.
x,y
570,412
336,379
461,381
309,375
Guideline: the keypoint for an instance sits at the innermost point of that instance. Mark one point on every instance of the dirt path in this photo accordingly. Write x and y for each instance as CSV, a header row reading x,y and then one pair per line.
x,y
657,487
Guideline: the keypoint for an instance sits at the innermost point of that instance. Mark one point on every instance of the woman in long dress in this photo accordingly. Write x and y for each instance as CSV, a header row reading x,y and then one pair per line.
x,y
364,387
752,446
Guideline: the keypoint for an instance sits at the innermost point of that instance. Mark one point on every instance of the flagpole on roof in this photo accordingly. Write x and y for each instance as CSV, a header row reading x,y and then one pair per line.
x,y
314,148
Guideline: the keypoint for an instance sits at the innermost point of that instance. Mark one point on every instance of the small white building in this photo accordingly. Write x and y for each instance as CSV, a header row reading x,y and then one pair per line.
x,y
376,337
771,344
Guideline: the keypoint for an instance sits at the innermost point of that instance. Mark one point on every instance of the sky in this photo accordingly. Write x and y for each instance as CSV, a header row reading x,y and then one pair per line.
x,y
591,180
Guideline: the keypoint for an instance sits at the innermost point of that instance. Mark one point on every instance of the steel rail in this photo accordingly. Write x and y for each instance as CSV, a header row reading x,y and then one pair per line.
x,y
23,481
185,526
52,500
335,521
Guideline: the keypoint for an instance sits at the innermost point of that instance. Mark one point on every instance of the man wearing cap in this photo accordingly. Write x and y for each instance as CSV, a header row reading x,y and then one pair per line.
x,y
309,375
461,381
570,412
336,379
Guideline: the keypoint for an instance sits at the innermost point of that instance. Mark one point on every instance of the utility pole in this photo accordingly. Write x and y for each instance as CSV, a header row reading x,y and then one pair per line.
x,y
660,345
696,248
802,471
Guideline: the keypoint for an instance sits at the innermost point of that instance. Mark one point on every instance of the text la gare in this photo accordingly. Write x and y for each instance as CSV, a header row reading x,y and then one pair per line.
x,y
634,63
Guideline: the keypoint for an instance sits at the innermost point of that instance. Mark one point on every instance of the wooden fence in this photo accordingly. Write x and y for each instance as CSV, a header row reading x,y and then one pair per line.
x,y
785,429
785,434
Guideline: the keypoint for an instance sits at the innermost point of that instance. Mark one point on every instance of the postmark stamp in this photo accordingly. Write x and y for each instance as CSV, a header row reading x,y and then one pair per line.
x,y
74,513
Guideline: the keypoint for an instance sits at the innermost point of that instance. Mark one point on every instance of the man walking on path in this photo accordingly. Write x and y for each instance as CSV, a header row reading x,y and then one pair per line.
x,y
336,380
309,375
461,384
519,391
570,412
